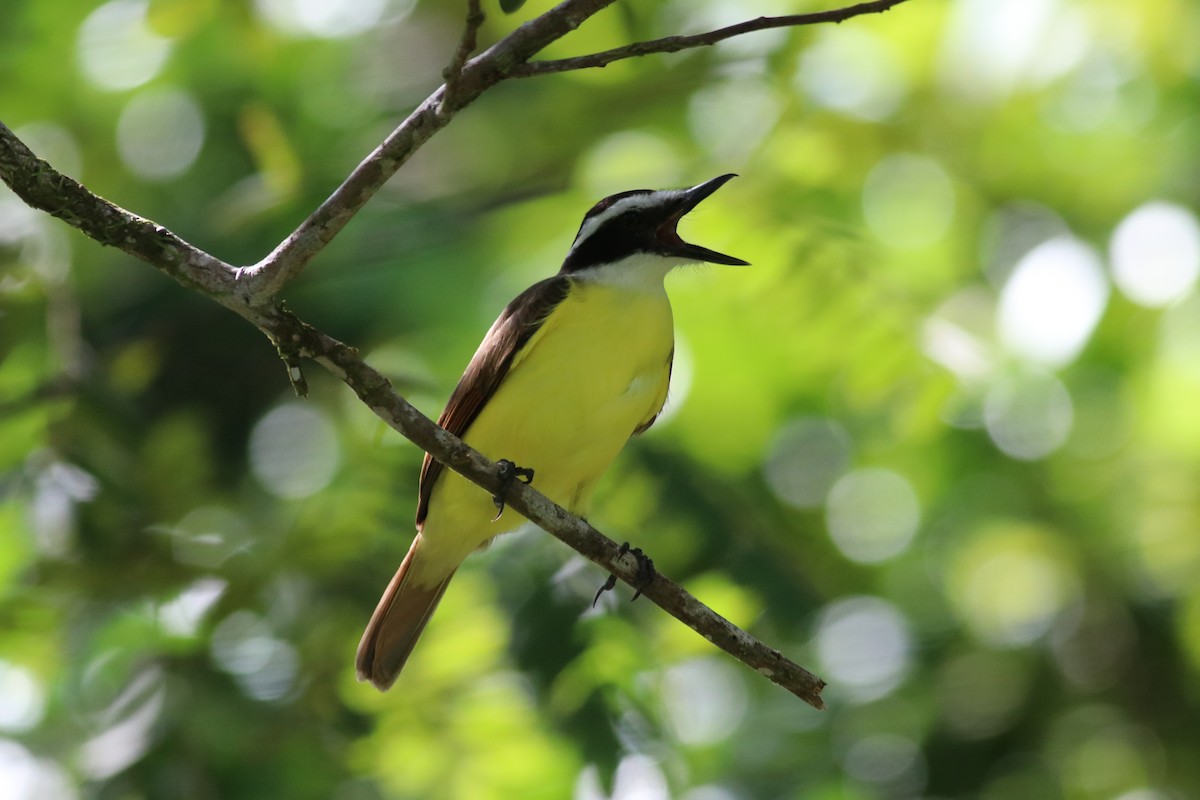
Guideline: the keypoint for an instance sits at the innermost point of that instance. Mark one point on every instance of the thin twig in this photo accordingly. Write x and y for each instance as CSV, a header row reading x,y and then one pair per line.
x,y
508,58
285,262
466,46
673,44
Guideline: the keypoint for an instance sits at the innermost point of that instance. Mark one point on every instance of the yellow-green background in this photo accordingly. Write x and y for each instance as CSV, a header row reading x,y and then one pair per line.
x,y
940,443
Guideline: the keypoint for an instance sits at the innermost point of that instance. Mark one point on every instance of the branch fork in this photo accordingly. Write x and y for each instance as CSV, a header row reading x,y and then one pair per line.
x,y
252,291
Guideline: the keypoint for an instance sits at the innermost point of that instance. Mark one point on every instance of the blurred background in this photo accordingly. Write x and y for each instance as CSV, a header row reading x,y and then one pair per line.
x,y
940,443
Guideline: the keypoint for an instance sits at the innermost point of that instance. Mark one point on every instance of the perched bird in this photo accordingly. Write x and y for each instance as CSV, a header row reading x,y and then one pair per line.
x,y
574,366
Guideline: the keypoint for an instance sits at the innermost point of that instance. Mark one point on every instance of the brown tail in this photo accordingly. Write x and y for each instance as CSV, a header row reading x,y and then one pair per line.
x,y
397,624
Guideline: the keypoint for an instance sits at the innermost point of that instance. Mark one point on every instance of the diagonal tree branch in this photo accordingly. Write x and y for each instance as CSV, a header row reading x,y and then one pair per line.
x,y
377,393
673,44
41,186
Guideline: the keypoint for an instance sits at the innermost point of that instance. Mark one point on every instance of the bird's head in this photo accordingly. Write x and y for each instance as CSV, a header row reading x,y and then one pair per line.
x,y
641,224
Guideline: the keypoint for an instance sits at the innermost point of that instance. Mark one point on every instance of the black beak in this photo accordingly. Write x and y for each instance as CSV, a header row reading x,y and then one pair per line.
x,y
689,199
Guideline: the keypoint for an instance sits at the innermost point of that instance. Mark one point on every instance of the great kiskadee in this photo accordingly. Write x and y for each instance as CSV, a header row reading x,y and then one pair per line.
x,y
573,367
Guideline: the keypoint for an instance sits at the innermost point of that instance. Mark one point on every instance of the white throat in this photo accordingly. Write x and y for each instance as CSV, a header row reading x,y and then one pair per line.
x,y
641,272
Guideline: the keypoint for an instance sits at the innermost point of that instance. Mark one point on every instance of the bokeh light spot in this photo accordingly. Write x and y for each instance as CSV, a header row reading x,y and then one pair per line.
x,y
1028,415
1156,253
182,615
958,335
1009,583
1144,794
732,118
873,515
326,19
808,455
1089,97
294,451
710,792
1093,644
1099,754
160,133
22,699
128,729
1166,548
209,535
17,219
981,693
1180,341
629,158
638,777
908,201
1052,302
705,701
887,760
58,489
994,47
864,646
853,72
264,667
27,777
117,50
1011,232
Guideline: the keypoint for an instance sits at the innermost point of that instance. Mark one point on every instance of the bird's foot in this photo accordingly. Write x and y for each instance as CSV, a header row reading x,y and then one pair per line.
x,y
645,573
508,472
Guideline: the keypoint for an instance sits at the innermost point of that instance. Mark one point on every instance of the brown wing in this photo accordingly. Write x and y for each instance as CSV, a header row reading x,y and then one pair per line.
x,y
508,334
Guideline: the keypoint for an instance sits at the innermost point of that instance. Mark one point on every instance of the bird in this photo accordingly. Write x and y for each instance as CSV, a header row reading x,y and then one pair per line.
x,y
573,367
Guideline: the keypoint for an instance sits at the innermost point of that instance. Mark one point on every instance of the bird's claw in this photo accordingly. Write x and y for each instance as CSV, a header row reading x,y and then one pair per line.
x,y
645,573
608,584
508,472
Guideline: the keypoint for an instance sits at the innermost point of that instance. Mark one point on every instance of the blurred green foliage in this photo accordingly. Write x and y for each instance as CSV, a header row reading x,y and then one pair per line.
x,y
941,443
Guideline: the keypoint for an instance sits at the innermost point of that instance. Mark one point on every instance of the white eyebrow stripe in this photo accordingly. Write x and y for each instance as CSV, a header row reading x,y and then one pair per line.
x,y
630,203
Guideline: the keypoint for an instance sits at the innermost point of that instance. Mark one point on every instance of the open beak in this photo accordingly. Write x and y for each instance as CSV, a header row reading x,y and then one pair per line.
x,y
689,199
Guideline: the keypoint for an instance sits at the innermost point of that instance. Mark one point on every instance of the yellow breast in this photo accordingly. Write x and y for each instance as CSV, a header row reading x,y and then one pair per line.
x,y
596,370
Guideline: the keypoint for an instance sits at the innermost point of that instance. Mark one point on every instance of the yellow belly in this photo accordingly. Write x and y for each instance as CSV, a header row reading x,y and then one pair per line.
x,y
596,370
